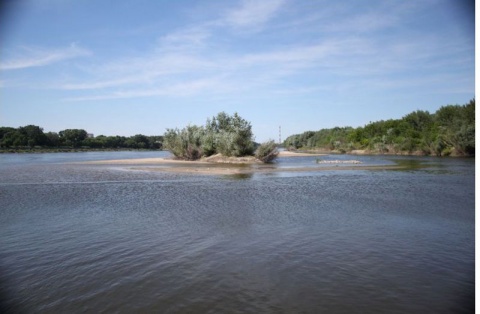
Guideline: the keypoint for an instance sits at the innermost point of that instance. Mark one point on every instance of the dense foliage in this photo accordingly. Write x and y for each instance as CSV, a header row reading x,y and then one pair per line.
x,y
267,151
32,136
228,135
449,131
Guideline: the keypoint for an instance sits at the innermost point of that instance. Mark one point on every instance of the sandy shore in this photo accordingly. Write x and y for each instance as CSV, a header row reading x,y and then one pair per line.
x,y
213,160
287,153
219,165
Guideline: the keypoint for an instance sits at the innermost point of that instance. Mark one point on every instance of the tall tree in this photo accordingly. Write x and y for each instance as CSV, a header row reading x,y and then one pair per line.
x,y
72,137
34,135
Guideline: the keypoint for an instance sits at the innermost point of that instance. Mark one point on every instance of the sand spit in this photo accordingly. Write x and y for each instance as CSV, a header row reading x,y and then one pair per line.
x,y
287,153
339,162
218,158
221,165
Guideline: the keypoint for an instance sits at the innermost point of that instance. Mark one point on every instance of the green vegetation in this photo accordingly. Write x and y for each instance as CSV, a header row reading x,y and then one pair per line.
x,y
32,137
185,143
449,131
230,136
267,151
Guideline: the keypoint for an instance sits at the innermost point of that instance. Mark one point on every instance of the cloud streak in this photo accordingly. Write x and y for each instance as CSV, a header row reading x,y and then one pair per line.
x,y
38,57
180,74
209,57
183,89
253,13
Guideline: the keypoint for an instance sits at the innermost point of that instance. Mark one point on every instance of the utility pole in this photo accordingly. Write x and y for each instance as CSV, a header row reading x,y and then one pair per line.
x,y
280,135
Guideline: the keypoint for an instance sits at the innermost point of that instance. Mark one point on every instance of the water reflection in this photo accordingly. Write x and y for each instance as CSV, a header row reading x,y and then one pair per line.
x,y
407,164
241,176
431,165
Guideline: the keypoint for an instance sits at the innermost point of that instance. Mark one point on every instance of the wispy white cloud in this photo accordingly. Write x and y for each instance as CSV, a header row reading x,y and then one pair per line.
x,y
367,22
200,59
187,75
192,38
252,13
148,70
304,54
183,54
98,84
185,88
37,57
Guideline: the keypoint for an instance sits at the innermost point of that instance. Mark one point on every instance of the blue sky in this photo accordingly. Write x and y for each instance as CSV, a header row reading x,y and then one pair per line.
x,y
129,67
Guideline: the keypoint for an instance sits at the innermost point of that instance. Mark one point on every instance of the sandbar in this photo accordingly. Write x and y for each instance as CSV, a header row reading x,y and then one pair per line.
x,y
286,153
220,165
212,159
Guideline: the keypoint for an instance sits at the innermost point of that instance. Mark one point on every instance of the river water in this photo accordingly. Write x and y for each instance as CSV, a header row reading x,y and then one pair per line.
x,y
77,238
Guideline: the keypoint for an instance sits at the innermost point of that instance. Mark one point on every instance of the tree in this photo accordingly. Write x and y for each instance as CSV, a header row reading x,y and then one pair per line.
x,y
34,135
225,134
267,151
447,116
155,142
115,141
53,139
6,136
72,137
14,139
4,130
185,143
233,135
137,141
449,130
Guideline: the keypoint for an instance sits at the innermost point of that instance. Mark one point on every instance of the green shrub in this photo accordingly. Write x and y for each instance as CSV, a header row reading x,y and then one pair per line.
x,y
185,143
233,135
267,151
228,135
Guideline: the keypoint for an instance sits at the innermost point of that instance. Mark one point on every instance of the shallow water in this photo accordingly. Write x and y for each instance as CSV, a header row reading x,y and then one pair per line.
x,y
103,238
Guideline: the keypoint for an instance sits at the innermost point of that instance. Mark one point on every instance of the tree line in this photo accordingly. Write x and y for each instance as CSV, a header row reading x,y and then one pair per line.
x,y
448,131
33,137
230,136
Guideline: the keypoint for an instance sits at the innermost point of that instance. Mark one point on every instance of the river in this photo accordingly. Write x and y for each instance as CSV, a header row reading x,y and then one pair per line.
x,y
84,238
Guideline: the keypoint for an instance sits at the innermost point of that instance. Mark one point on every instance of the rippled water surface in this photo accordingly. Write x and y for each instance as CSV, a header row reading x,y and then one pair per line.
x,y
105,238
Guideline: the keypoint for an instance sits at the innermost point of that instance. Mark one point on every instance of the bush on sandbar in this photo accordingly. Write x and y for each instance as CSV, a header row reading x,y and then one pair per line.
x,y
267,151
228,135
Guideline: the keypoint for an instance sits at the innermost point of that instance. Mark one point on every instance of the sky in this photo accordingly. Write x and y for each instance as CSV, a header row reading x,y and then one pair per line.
x,y
140,67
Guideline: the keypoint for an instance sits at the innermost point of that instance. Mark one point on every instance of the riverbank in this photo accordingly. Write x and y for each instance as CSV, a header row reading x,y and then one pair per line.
x,y
368,152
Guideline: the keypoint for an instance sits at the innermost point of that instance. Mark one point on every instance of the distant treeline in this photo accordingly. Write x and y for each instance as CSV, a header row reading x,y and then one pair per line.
x,y
33,137
448,131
